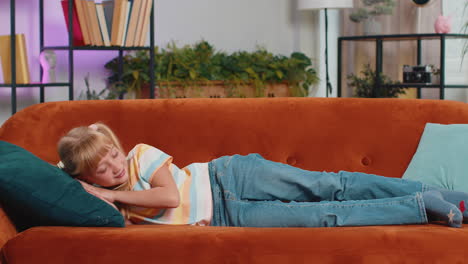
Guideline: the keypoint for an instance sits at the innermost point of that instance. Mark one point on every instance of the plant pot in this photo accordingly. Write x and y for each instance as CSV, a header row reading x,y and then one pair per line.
x,y
143,93
219,89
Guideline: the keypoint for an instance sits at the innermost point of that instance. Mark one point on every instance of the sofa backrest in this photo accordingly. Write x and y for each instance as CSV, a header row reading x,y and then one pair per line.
x,y
370,135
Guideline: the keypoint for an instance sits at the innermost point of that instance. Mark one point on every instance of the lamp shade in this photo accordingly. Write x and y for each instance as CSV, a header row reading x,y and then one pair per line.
x,y
321,4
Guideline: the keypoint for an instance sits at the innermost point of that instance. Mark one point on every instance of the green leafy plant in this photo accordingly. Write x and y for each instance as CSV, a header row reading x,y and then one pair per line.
x,y
365,86
195,65
135,73
372,8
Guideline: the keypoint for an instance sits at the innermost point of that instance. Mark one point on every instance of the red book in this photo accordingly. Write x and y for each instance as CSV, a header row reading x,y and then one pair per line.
x,y
77,34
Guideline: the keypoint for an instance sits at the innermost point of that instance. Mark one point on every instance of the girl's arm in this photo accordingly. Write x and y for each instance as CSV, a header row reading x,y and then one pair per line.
x,y
163,194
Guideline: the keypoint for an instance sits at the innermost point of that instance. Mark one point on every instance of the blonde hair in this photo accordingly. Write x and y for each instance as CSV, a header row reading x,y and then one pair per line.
x,y
82,148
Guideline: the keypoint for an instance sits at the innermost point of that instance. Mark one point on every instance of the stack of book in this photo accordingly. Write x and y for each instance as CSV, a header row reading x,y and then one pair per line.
x,y
109,22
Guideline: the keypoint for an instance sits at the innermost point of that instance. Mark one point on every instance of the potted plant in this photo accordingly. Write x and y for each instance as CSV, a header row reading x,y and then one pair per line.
x,y
365,86
191,70
372,9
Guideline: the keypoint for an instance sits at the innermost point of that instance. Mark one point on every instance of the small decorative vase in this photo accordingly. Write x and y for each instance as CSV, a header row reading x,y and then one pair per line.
x,y
443,24
48,60
372,26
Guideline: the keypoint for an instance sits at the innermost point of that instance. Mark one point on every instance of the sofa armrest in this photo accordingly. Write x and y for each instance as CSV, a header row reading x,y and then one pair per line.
x,y
7,229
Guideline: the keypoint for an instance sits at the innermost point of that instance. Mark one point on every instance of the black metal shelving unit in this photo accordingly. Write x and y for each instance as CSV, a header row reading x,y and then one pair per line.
x,y
379,40
71,48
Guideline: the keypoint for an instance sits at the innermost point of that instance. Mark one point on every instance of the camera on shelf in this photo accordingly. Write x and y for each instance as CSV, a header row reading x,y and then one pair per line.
x,y
417,74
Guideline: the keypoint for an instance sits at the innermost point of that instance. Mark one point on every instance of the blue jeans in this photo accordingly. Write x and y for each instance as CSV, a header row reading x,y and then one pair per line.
x,y
254,192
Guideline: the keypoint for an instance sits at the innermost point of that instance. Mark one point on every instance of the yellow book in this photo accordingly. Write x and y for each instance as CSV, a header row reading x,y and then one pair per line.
x,y
22,68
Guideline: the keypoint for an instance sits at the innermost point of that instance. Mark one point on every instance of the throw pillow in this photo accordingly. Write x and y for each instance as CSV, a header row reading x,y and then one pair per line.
x,y
36,193
441,159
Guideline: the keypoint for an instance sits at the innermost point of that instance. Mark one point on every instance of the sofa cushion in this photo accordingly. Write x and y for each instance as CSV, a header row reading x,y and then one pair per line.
x,y
212,244
442,157
36,193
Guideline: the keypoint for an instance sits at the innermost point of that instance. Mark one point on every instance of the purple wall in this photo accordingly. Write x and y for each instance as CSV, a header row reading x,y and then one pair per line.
x,y
27,22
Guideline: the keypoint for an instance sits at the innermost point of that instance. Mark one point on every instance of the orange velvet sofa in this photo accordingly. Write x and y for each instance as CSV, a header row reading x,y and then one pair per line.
x,y
376,136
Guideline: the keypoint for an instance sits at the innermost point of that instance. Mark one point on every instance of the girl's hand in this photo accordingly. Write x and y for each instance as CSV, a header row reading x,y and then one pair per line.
x,y
128,222
103,194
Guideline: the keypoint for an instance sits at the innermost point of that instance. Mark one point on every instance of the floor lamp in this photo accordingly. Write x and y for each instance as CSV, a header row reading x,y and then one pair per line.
x,y
325,4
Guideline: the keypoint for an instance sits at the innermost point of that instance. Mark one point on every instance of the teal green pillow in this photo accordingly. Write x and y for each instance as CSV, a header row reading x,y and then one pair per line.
x,y
36,193
442,157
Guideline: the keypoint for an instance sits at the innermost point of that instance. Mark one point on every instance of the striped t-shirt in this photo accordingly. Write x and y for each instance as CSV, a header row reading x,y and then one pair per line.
x,y
192,181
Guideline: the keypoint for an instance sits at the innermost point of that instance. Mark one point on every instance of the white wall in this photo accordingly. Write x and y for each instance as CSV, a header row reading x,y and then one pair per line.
x,y
456,72
228,25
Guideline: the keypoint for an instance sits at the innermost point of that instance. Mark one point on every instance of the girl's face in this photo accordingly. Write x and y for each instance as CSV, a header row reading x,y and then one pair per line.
x,y
112,170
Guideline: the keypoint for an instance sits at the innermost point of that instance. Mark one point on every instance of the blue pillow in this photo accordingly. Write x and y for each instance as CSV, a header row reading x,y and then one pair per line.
x,y
36,193
442,157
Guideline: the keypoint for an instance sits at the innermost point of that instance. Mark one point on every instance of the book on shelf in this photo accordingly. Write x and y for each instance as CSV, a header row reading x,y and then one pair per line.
x,y
133,22
87,22
139,23
103,24
117,17
143,34
128,11
22,68
139,27
108,13
78,39
82,21
97,35
122,20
